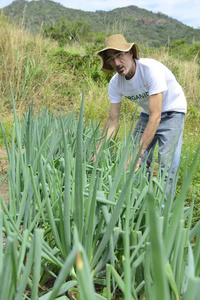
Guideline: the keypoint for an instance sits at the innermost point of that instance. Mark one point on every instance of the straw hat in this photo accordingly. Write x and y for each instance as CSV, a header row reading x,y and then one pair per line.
x,y
116,42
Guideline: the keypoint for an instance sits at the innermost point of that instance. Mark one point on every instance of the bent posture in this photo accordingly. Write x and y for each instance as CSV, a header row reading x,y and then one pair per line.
x,y
152,86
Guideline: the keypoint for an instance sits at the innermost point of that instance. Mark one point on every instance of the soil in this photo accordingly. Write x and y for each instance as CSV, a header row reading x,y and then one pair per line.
x,y
3,171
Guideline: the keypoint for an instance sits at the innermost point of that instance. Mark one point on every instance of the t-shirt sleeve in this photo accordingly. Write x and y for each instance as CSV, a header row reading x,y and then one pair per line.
x,y
114,90
156,79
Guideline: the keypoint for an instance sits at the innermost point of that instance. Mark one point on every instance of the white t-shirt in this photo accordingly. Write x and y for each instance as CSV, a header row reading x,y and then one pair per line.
x,y
151,77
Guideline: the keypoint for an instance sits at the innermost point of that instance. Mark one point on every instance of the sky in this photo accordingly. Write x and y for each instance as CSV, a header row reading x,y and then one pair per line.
x,y
185,11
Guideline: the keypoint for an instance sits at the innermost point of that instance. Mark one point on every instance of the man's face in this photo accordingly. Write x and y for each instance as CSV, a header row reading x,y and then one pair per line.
x,y
122,62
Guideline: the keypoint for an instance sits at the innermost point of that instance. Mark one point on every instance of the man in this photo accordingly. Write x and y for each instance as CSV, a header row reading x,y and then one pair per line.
x,y
153,87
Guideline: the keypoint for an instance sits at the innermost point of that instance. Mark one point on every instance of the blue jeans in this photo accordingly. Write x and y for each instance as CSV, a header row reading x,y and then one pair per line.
x,y
169,136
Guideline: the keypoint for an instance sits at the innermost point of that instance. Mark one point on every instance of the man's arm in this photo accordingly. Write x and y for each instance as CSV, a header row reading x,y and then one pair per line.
x,y
111,124
155,109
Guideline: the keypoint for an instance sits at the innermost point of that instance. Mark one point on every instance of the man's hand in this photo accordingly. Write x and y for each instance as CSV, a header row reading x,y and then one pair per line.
x,y
111,125
137,165
94,158
155,109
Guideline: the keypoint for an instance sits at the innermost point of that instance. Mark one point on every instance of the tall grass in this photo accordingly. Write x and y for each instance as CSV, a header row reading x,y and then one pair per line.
x,y
25,64
41,71
68,219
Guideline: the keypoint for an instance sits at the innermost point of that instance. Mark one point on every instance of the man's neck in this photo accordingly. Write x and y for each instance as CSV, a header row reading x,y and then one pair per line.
x,y
131,72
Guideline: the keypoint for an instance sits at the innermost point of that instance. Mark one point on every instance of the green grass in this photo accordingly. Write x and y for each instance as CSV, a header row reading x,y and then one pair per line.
x,y
96,221
191,140
86,220
8,127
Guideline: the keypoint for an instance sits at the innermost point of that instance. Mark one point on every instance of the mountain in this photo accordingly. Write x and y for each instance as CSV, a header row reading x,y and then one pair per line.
x,y
137,24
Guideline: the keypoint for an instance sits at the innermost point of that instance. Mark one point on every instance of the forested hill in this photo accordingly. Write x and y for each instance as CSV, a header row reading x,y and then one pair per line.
x,y
140,25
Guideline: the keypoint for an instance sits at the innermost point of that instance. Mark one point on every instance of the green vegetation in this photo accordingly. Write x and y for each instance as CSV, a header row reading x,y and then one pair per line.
x,y
147,28
68,219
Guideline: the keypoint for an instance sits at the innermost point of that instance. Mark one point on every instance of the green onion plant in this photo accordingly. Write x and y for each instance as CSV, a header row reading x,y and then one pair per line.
x,y
91,230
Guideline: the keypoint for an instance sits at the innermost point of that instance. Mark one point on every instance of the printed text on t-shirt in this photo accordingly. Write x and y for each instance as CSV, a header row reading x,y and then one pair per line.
x,y
137,97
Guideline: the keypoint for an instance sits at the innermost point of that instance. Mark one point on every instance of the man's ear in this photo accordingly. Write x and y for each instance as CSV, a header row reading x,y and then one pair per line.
x,y
130,51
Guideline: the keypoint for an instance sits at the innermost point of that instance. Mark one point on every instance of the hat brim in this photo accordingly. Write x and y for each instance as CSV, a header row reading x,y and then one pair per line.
x,y
102,54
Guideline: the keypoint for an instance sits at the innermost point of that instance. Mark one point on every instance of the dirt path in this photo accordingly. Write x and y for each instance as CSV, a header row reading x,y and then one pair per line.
x,y
3,170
